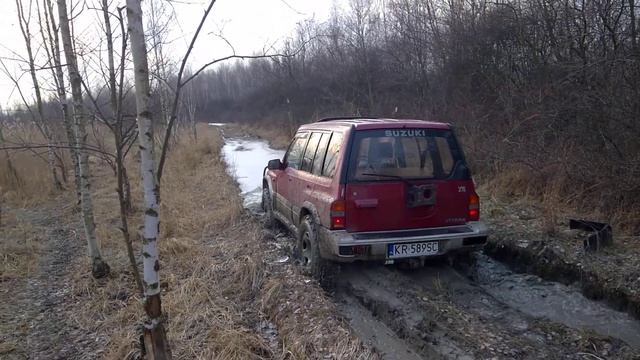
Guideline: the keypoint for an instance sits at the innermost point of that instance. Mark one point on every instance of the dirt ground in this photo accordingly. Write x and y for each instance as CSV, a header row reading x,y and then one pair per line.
x,y
35,312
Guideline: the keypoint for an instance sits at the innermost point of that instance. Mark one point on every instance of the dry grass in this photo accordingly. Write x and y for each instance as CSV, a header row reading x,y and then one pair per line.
x,y
24,179
20,244
218,280
307,319
554,196
197,195
24,182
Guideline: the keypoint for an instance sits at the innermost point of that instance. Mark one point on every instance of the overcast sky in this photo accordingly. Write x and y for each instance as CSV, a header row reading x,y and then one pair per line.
x,y
249,25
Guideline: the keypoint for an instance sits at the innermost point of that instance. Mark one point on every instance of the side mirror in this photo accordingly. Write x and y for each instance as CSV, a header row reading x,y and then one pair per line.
x,y
275,164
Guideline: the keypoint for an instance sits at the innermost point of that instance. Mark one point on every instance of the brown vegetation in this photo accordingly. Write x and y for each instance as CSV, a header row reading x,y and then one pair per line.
x,y
20,244
24,179
24,182
222,286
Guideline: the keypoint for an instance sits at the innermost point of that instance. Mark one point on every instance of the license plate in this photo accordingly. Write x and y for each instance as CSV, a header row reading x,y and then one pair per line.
x,y
395,251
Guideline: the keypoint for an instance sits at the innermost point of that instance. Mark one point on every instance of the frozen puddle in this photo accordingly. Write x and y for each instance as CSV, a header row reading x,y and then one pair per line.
x,y
246,160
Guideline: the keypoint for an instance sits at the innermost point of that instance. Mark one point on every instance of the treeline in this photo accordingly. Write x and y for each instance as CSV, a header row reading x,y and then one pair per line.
x,y
544,92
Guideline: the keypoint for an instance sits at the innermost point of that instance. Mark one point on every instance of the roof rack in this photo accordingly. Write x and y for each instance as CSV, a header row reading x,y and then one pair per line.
x,y
346,118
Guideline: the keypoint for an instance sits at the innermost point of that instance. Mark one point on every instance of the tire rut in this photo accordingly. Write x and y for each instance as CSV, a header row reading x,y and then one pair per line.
x,y
440,314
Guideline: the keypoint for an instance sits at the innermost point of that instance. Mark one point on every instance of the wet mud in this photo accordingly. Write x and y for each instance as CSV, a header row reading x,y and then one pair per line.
x,y
536,258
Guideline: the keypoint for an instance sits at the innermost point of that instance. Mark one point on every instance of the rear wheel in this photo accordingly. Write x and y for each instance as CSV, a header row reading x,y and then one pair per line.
x,y
308,253
267,206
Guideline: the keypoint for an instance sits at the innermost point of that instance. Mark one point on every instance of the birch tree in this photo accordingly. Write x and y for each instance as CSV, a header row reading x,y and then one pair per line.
x,y
155,339
51,40
123,132
25,29
190,108
99,267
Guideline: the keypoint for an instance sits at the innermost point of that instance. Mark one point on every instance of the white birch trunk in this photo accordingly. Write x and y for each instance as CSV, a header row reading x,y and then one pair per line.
x,y
154,334
116,128
99,267
54,40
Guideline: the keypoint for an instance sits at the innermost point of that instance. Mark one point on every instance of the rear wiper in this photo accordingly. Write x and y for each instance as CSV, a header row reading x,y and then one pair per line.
x,y
384,175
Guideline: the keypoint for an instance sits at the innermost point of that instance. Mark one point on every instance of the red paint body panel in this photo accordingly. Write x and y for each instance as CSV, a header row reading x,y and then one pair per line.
x,y
392,213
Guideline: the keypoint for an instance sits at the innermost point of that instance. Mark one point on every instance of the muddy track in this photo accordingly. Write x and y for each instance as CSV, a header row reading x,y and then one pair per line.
x,y
544,262
436,312
446,311
38,309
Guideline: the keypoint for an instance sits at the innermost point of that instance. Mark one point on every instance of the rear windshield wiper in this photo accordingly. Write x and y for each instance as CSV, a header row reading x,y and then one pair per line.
x,y
384,175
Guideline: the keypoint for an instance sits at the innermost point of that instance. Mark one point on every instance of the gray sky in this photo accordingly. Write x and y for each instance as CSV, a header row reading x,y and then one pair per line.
x,y
250,25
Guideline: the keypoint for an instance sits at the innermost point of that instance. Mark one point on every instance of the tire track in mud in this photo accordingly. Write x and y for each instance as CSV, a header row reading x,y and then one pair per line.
x,y
438,313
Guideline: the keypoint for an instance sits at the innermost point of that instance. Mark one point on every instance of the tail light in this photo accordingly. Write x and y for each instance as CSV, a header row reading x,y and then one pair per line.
x,y
474,207
337,214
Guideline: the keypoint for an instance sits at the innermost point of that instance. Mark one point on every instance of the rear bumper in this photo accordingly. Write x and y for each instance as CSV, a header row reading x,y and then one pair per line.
x,y
338,245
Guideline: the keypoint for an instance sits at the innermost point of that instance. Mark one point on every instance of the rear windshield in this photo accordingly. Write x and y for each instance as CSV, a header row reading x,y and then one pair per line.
x,y
403,154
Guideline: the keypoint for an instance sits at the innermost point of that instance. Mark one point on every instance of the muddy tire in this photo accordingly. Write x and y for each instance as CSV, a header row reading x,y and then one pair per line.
x,y
267,206
308,254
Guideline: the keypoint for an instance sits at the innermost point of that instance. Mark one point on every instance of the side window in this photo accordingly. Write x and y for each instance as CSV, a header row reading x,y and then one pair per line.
x,y
294,155
333,154
310,152
322,151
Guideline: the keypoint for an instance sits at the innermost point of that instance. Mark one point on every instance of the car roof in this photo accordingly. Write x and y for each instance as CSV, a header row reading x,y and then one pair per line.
x,y
366,123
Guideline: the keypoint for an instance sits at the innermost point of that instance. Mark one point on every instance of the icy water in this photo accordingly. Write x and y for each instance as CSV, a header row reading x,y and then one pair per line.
x,y
525,293
246,160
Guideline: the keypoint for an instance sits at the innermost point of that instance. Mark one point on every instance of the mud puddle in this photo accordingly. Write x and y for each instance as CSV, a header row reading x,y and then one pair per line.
x,y
440,312
554,301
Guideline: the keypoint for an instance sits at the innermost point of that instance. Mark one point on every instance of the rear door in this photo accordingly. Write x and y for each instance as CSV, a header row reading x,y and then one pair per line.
x,y
406,179
302,180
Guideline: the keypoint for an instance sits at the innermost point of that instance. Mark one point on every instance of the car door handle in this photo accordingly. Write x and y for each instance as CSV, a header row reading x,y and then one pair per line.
x,y
290,179
366,203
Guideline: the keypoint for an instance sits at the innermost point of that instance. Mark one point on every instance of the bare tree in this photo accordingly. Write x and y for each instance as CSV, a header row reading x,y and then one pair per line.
x,y
51,41
99,267
24,20
190,106
155,338
161,65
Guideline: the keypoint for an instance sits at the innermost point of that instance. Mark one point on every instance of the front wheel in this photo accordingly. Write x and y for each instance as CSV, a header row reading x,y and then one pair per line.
x,y
267,206
308,253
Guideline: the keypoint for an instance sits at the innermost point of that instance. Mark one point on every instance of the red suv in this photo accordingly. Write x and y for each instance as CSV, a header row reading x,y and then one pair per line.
x,y
374,189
